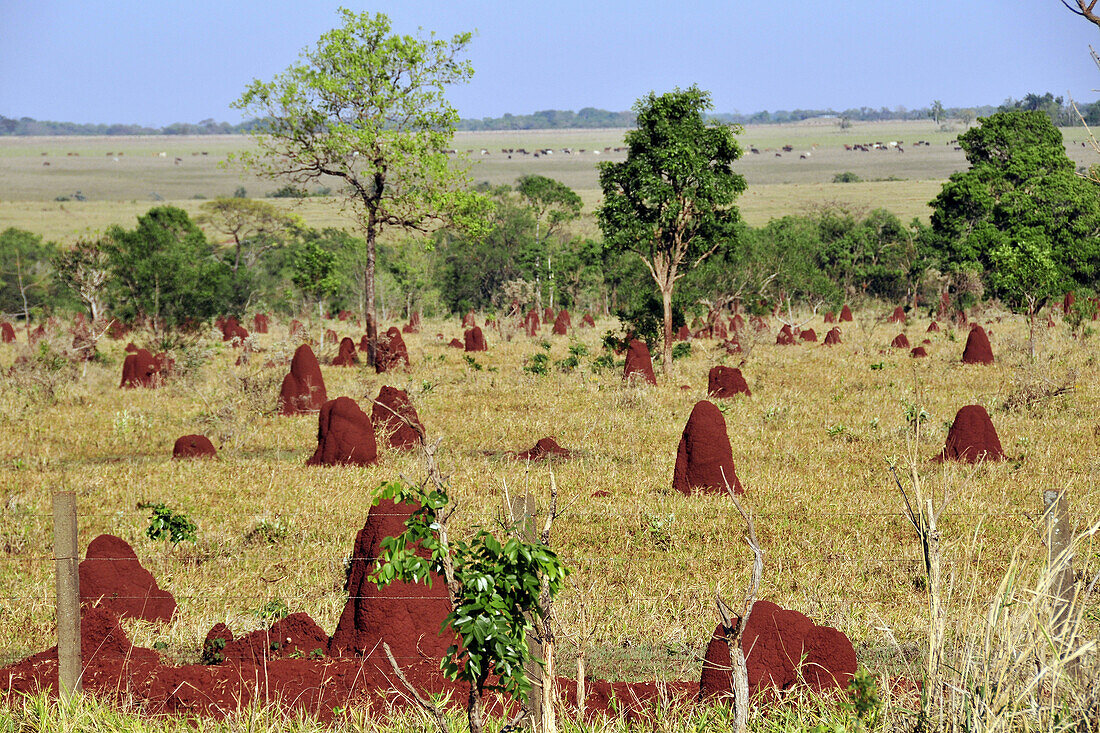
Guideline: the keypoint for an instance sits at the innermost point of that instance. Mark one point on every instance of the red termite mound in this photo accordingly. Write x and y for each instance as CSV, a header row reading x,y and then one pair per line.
x,y
303,387
392,414
683,333
407,616
456,344
830,317
392,353
331,337
468,320
139,370
724,381
933,327
785,337
294,636
531,322
112,579
548,314
297,330
737,322
562,323
704,460
345,435
845,313
545,449
900,341
778,644
475,340
1068,301
918,353
343,315
978,350
193,446
972,438
231,329
347,356
808,335
102,643
638,361
260,323
587,321
7,332
898,316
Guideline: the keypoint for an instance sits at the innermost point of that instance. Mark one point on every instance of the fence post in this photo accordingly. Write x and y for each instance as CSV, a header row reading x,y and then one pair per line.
x,y
68,593
524,513
1059,534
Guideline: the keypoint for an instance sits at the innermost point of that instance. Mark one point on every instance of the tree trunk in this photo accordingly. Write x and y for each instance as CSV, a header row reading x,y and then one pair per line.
x,y
368,283
473,710
666,357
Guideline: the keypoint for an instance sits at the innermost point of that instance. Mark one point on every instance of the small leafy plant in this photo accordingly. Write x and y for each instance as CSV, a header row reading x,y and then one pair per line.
x,y
165,523
273,611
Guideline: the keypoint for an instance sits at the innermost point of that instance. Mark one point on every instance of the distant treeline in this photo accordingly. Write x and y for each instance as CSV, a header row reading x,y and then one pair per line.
x,y
1060,112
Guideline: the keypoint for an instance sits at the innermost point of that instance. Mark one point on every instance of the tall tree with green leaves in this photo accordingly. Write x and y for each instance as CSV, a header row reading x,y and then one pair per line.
x,y
553,205
25,269
671,201
366,107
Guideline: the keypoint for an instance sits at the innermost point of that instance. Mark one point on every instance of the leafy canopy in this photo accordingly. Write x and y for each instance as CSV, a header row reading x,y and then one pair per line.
x,y
500,591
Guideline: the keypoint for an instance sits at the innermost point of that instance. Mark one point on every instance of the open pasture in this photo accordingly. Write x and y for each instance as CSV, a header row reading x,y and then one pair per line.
x,y
121,177
812,446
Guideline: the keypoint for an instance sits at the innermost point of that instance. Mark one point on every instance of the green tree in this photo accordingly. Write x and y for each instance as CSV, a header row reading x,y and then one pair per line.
x,y
671,201
1025,276
166,270
366,106
315,273
253,226
553,204
1021,187
85,270
937,111
25,270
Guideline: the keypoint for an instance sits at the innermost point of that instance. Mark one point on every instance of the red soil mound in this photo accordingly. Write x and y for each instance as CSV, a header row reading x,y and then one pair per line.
x,y
475,340
193,446
102,640
7,332
531,322
978,350
719,331
724,381
112,579
918,353
682,334
972,438
331,337
297,635
261,323
830,317
231,329
392,353
297,330
548,314
117,329
407,616
139,370
777,643
401,435
37,334
345,435
456,344
303,387
898,316
845,313
933,327
545,448
343,315
587,321
131,348
562,323
347,356
785,337
638,361
737,323
704,455
1068,301
468,320
900,341
808,335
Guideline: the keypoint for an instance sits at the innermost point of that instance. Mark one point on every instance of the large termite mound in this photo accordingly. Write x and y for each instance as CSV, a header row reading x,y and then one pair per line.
x,y
785,336
474,340
468,320
562,323
833,337
978,350
303,387
392,352
639,362
232,330
704,460
112,579
347,355
139,370
544,449
898,316
587,321
193,446
394,416
901,341
845,313
102,640
919,352
724,382
781,646
809,335
294,636
407,616
972,437
261,323
7,332
345,435
830,317
933,327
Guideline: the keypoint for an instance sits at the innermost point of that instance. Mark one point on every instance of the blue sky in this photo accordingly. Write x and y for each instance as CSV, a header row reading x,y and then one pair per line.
x,y
155,62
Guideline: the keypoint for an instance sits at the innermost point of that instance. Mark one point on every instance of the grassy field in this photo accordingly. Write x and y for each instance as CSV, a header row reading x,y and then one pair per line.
x,y
123,177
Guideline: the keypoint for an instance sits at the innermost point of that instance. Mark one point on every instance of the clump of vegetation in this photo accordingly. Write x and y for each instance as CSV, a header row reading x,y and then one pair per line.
x,y
847,177
168,524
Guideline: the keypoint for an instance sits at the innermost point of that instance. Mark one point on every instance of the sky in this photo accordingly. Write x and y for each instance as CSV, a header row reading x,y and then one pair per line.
x,y
154,63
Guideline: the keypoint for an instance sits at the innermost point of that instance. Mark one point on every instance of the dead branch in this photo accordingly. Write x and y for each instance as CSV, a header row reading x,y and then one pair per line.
x,y
433,710
1085,11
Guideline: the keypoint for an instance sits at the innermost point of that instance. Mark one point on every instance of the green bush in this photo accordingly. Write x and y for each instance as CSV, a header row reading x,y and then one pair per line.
x,y
847,177
165,523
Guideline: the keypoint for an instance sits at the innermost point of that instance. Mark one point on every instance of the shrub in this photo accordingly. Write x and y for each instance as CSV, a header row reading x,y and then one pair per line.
x,y
847,177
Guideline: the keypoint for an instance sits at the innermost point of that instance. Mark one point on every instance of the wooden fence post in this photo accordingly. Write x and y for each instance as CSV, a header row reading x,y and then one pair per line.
x,y
68,592
1059,534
